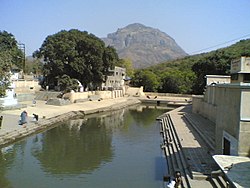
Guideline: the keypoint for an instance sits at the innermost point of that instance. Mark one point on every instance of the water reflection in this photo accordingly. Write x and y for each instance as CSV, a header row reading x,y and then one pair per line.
x,y
6,154
79,145
120,145
144,115
73,148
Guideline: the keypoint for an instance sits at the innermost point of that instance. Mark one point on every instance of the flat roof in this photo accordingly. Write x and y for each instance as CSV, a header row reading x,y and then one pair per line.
x,y
234,85
237,169
217,76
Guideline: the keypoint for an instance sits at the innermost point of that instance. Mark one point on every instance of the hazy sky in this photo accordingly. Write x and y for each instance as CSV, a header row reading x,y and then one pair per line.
x,y
194,24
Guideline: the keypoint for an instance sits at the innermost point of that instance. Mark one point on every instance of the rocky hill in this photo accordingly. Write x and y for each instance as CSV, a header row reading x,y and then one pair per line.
x,y
145,46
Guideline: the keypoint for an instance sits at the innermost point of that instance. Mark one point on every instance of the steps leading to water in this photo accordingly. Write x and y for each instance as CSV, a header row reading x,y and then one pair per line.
x,y
172,147
194,162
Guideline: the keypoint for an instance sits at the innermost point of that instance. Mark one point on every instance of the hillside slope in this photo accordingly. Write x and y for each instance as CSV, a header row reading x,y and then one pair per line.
x,y
226,54
145,46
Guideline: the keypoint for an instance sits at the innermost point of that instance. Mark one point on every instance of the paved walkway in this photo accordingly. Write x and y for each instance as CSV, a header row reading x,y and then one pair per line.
x,y
50,114
198,153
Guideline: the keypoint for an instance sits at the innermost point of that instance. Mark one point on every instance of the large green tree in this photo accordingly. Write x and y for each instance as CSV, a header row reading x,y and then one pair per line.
x,y
10,52
216,63
4,72
147,79
77,54
10,55
34,66
176,81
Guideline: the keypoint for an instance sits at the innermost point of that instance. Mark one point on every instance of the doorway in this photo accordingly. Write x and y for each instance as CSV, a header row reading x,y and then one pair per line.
x,y
226,146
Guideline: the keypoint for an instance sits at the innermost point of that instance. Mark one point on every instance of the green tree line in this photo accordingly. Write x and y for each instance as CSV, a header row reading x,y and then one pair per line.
x,y
187,75
64,59
10,57
71,56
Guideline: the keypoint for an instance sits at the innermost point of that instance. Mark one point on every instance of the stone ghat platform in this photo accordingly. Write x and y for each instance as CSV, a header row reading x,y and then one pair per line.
x,y
50,115
169,101
188,143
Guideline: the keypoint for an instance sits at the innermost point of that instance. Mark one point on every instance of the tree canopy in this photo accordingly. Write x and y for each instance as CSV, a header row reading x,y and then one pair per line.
x,y
187,75
34,66
147,79
78,55
126,63
10,55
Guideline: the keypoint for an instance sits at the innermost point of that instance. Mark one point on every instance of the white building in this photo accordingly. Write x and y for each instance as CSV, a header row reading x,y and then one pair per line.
x,y
217,79
115,80
240,70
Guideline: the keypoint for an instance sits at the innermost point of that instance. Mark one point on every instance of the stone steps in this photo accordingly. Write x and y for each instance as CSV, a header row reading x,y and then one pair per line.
x,y
206,130
45,95
173,150
218,180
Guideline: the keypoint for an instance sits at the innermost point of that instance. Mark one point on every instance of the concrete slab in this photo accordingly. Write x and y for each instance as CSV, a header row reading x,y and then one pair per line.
x,y
236,169
196,151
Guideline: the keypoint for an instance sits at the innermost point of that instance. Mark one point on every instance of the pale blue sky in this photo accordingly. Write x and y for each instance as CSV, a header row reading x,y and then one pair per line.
x,y
194,24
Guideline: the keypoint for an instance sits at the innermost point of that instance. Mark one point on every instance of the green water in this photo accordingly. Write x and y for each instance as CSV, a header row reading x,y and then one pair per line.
x,y
120,149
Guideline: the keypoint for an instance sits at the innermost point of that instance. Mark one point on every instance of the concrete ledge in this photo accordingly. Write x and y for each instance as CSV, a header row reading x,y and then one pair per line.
x,y
45,124
58,102
18,106
199,176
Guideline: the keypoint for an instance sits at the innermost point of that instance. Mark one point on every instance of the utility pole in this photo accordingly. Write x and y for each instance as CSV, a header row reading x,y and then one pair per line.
x,y
22,48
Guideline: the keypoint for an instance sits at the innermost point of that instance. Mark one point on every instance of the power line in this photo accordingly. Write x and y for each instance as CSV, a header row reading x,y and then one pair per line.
x,y
220,44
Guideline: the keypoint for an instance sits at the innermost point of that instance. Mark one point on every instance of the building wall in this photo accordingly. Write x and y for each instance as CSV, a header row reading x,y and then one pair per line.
x,y
228,106
199,106
134,91
227,118
241,66
244,129
244,139
26,86
116,80
240,70
240,78
216,79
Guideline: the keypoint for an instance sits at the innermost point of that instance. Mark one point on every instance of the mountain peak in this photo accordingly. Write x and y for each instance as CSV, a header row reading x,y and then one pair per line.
x,y
135,26
145,46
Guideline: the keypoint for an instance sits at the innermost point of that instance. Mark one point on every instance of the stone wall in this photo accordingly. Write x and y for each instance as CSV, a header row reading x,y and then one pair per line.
x,y
199,106
227,119
97,95
73,97
46,95
26,86
228,106
135,91
168,94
